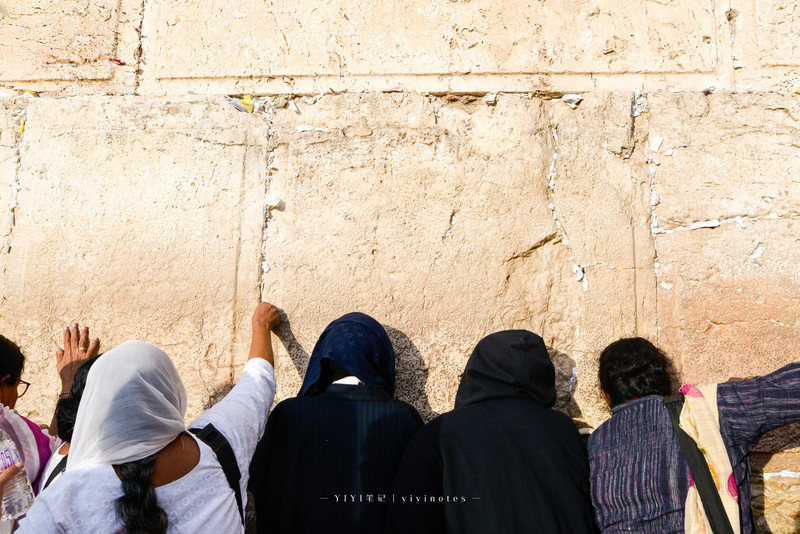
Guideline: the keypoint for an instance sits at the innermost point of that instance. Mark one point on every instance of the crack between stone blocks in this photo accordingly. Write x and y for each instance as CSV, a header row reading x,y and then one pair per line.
x,y
138,52
235,300
552,175
748,321
640,107
266,215
614,267
730,15
209,141
741,220
20,117
449,230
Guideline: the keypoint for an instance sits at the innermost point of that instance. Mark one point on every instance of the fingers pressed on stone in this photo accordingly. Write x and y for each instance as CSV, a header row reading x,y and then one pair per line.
x,y
83,339
73,337
94,346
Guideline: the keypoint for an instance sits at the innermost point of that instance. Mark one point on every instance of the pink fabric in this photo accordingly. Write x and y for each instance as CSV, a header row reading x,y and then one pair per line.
x,y
732,489
43,444
690,391
33,444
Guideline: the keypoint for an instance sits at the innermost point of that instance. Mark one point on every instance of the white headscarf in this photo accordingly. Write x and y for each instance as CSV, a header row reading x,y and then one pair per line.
x,y
132,407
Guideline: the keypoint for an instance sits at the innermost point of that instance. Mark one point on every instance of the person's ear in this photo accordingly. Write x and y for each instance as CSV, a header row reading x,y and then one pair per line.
x,y
5,380
606,396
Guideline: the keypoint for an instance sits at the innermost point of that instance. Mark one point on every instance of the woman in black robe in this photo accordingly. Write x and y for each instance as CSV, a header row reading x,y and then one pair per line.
x,y
328,456
502,461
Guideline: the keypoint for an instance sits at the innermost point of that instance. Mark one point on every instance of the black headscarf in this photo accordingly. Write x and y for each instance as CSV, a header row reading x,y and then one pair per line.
x,y
518,465
334,440
357,343
508,364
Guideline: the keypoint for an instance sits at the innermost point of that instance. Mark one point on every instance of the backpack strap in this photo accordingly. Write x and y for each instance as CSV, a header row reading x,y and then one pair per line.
x,y
58,469
227,459
706,488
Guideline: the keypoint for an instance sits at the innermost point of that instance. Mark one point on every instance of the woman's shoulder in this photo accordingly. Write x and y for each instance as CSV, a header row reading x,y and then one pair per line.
x,y
93,479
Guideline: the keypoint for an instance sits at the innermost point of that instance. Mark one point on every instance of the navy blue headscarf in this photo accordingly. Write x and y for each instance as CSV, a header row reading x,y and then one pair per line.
x,y
357,343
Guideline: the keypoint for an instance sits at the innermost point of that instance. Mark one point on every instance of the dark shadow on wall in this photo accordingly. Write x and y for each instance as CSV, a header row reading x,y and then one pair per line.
x,y
411,374
296,352
566,384
217,395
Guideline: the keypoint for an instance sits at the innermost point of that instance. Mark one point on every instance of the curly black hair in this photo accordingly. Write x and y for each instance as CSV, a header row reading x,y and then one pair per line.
x,y
633,367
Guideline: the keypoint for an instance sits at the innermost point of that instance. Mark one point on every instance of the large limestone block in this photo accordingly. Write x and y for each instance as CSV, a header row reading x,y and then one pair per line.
x,y
69,45
725,156
270,46
11,113
600,196
142,219
432,215
725,293
727,298
766,44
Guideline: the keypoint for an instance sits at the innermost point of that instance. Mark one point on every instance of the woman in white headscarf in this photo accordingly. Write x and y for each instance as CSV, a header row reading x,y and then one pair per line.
x,y
133,467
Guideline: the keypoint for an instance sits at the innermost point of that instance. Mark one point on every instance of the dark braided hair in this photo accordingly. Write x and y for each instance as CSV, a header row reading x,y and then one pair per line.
x,y
138,507
67,409
633,367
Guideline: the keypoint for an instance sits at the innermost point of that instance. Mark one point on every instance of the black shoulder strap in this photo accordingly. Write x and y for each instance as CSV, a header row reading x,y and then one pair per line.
x,y
227,459
59,468
712,503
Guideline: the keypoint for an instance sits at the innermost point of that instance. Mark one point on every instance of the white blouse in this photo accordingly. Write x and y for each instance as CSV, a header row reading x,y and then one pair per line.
x,y
83,500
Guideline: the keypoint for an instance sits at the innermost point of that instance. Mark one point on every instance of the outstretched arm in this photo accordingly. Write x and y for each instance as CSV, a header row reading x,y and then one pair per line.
x,y
265,319
752,407
242,415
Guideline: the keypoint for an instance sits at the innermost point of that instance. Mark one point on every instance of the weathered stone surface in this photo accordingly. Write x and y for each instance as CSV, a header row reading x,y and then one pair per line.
x,y
10,115
394,202
726,303
434,216
778,30
142,219
474,47
765,33
69,45
725,156
727,298
766,46
595,167
197,41
776,491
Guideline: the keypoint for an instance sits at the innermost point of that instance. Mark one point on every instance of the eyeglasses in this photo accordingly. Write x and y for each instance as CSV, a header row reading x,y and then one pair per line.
x,y
22,387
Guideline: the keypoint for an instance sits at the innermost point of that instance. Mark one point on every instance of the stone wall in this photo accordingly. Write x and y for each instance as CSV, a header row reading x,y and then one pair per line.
x,y
587,170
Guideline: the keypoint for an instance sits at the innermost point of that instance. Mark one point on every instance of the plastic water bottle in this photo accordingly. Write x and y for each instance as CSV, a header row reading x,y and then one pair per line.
x,y
18,495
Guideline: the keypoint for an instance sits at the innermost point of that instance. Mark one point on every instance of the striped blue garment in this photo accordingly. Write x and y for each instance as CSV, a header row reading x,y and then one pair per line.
x,y
639,478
